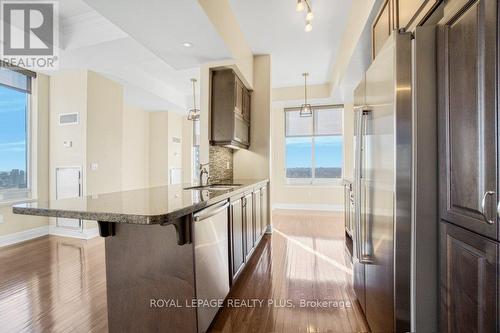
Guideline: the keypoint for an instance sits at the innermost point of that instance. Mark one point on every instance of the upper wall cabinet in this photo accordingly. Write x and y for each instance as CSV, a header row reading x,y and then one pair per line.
x,y
230,110
382,27
399,14
409,13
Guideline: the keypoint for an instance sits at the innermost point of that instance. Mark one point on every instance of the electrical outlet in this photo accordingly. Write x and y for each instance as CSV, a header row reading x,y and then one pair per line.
x,y
1,219
94,166
228,166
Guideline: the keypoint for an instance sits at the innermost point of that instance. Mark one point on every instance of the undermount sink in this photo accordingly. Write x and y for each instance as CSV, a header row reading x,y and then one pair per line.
x,y
221,187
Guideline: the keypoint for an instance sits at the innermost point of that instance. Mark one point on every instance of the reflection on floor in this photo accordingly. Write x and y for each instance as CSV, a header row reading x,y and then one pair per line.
x,y
55,284
302,264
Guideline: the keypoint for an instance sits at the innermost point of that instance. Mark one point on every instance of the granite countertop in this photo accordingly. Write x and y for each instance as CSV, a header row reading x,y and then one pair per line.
x,y
154,205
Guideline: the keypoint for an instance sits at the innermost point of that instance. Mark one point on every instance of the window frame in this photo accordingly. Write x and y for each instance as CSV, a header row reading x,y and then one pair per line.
x,y
27,194
313,181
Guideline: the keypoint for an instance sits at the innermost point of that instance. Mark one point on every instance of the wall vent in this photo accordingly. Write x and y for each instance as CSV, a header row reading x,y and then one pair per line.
x,y
68,119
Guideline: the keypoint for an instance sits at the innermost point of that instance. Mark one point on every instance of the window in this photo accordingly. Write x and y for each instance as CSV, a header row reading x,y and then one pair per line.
x,y
15,89
314,145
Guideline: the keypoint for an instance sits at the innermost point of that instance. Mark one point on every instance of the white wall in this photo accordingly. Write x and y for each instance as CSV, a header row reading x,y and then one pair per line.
x,y
164,153
97,138
187,150
68,94
135,147
175,121
158,151
104,134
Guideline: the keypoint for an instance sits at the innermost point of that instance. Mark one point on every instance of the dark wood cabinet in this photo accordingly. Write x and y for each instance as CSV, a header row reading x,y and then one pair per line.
x,y
264,209
468,281
468,166
257,215
229,109
236,237
410,13
382,27
249,225
246,105
399,15
467,71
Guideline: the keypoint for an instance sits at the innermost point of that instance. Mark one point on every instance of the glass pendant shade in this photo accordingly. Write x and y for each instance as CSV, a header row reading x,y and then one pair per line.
x,y
194,113
306,109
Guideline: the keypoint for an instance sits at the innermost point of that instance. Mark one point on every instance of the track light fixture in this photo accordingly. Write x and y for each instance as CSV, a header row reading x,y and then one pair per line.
x,y
306,4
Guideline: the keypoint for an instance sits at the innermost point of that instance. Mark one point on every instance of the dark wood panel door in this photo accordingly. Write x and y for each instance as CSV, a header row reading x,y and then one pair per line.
x,y
382,27
406,10
249,227
264,208
257,215
246,105
237,239
468,281
467,70
238,96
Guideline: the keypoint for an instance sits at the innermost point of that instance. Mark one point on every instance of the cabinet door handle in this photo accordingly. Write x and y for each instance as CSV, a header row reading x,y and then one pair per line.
x,y
483,207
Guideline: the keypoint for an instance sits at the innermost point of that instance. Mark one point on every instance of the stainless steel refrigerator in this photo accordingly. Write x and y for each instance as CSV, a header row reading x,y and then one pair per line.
x,y
388,249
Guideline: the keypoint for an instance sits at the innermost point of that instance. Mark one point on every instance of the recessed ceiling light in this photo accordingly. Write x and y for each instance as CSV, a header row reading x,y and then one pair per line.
x,y
187,44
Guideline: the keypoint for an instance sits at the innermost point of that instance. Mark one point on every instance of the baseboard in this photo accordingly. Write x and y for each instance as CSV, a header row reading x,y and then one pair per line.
x,y
25,235
322,207
63,232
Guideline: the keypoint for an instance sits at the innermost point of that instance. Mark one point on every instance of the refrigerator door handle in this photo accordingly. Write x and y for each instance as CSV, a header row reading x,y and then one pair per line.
x,y
360,238
358,187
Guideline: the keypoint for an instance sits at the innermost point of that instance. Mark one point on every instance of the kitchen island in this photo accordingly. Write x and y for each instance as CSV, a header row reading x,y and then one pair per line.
x,y
151,261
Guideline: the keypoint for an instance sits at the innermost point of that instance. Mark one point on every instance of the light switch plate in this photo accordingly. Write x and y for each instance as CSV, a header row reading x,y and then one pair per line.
x,y
1,219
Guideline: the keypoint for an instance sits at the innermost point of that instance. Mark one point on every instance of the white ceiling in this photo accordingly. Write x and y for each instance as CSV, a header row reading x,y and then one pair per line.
x,y
88,40
164,25
274,27
139,43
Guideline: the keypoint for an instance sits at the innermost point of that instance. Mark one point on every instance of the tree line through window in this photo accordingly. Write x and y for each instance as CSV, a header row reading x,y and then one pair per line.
x,y
314,145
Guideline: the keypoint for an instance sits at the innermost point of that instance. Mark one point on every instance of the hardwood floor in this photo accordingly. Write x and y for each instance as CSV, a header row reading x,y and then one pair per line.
x,y
303,260
55,284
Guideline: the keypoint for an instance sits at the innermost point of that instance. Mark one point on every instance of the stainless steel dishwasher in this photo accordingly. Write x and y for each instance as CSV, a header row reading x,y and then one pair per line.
x,y
211,260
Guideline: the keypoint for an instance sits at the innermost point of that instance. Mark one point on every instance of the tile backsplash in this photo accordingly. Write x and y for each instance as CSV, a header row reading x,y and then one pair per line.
x,y
221,163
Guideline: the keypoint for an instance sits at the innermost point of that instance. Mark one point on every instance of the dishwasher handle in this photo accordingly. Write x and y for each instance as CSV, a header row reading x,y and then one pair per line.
x,y
210,211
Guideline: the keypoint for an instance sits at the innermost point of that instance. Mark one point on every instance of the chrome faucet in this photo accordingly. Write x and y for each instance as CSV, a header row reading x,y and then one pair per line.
x,y
203,171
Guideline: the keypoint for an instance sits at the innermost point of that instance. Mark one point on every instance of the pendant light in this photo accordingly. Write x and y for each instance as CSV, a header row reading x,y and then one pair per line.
x,y
194,113
306,110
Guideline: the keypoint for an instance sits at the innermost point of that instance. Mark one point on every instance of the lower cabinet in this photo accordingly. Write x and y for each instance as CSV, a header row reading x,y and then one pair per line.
x,y
468,281
257,216
236,237
247,225
263,209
